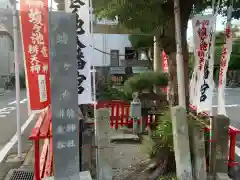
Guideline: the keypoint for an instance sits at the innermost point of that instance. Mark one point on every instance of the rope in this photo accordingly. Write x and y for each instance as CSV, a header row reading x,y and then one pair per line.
x,y
137,49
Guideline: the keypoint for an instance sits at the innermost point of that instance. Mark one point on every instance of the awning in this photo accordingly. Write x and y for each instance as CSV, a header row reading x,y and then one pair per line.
x,y
137,70
117,70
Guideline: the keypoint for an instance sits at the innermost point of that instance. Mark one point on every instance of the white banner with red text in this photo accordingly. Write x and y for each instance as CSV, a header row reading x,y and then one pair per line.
x,y
225,58
204,37
34,30
84,49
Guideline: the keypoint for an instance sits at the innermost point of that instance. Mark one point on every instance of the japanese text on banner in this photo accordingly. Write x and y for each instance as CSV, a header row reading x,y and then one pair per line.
x,y
203,26
225,58
34,30
84,51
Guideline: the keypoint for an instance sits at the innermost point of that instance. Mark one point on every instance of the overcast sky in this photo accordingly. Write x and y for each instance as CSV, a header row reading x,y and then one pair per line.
x,y
220,24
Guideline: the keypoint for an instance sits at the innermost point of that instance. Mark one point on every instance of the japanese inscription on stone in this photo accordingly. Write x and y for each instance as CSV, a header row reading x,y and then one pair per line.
x,y
64,96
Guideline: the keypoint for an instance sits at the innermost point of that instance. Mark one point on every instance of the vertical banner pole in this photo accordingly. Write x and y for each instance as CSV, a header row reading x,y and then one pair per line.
x,y
17,81
94,94
95,122
224,61
179,57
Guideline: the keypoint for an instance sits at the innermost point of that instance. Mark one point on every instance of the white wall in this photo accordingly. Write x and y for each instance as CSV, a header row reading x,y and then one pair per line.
x,y
106,43
6,55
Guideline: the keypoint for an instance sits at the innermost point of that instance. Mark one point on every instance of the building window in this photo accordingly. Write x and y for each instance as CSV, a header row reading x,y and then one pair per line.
x,y
130,54
114,57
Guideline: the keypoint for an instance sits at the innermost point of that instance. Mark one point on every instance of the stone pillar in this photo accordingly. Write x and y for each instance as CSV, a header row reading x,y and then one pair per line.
x,y
181,143
219,145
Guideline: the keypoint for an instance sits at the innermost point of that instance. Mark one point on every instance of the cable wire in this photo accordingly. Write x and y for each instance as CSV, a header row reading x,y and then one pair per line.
x,y
136,50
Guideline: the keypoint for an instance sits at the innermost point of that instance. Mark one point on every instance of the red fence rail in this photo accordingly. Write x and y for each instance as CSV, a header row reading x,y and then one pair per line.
x,y
120,113
120,117
232,132
43,158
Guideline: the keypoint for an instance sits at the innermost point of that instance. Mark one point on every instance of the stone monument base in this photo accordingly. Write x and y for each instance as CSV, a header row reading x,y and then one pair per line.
x,y
84,175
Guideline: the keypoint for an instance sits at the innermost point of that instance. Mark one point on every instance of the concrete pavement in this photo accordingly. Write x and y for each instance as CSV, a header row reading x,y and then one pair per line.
x,y
8,138
8,116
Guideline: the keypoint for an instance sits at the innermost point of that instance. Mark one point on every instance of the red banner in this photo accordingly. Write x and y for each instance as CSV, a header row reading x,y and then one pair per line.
x,y
164,68
34,29
164,62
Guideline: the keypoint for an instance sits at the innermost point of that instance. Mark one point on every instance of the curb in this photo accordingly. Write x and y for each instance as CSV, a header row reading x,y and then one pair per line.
x,y
10,161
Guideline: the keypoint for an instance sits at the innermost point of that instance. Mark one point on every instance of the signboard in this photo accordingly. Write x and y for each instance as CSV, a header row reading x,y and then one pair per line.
x,y
117,70
84,50
133,63
203,37
114,57
34,29
64,92
118,79
137,70
225,58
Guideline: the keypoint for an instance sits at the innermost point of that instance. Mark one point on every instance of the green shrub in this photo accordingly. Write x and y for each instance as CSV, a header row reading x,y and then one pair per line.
x,y
146,80
170,176
162,134
107,92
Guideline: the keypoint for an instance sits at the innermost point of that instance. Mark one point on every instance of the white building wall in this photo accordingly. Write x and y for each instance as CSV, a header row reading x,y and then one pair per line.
x,y
106,43
6,55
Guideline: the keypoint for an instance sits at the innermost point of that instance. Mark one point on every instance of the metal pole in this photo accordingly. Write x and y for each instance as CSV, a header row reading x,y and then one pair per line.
x,y
94,98
156,61
80,143
179,57
51,9
229,14
17,81
104,46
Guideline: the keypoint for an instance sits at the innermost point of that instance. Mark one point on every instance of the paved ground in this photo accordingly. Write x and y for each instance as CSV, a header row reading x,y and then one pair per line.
x,y
118,159
8,138
8,116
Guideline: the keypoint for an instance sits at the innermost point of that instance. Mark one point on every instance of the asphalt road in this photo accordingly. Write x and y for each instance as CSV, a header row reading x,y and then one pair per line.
x,y
8,124
232,104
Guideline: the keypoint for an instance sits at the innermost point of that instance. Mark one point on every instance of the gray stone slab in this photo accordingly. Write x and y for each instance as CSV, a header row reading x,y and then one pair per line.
x,y
197,146
219,146
222,176
65,123
84,175
125,137
181,143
